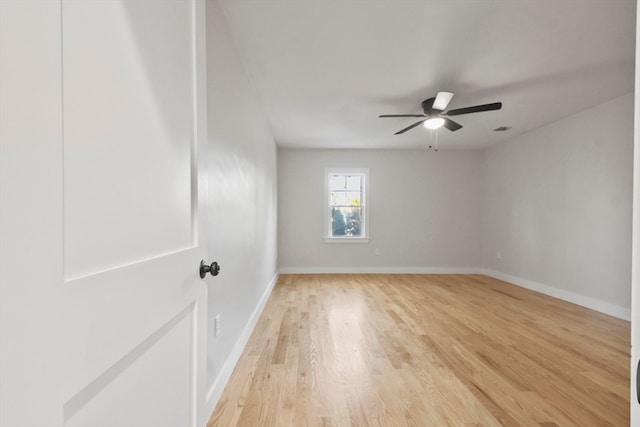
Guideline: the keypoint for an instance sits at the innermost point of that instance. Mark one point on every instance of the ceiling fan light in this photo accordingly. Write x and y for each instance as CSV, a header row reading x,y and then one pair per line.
x,y
434,123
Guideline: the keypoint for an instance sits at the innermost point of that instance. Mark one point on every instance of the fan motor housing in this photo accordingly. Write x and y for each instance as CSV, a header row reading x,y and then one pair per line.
x,y
427,106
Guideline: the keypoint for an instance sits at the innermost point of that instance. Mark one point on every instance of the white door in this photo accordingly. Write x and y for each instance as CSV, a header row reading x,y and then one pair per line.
x,y
102,310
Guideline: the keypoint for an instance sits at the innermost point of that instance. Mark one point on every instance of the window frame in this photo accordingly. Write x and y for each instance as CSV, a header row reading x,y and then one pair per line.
x,y
364,203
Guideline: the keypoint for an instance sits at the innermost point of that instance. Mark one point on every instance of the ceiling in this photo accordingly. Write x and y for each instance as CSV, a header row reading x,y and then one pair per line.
x,y
325,70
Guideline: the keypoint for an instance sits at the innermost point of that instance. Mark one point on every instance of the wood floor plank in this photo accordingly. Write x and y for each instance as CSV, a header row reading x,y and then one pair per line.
x,y
426,350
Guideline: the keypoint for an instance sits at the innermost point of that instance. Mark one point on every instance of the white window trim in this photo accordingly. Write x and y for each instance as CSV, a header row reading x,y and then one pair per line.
x,y
365,205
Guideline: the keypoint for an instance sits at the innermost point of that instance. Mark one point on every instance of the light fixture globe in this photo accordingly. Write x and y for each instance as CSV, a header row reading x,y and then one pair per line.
x,y
434,123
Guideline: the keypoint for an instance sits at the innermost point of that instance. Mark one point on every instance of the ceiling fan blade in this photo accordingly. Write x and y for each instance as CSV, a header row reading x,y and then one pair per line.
x,y
427,105
475,109
451,125
419,122
402,115
442,100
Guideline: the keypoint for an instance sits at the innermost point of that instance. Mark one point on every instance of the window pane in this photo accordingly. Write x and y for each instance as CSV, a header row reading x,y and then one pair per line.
x,y
337,182
354,183
337,222
338,198
346,222
353,198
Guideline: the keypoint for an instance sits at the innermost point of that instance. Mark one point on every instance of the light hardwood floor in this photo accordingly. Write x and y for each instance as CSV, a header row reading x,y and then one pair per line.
x,y
426,350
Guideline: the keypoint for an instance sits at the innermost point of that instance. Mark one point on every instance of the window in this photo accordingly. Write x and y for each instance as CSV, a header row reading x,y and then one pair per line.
x,y
346,208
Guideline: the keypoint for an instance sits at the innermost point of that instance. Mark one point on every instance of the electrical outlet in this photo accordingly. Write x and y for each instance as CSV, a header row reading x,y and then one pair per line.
x,y
377,251
499,255
216,325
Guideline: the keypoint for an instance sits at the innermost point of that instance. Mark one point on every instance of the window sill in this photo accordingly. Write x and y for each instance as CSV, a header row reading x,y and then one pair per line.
x,y
346,240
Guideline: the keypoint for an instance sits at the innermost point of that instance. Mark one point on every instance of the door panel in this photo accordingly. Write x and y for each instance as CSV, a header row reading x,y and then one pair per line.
x,y
112,398
126,79
102,310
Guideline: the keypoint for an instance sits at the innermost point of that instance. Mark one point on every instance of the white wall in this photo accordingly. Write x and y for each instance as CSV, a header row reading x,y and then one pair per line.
x,y
424,211
242,215
557,207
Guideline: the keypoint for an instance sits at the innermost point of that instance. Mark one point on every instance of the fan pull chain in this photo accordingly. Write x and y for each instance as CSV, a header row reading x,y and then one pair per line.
x,y
431,132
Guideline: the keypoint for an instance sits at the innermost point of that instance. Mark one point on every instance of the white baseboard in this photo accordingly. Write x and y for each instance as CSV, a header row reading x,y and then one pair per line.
x,y
592,303
214,393
379,270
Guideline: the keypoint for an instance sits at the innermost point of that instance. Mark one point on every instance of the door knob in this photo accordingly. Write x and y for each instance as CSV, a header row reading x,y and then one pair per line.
x,y
213,269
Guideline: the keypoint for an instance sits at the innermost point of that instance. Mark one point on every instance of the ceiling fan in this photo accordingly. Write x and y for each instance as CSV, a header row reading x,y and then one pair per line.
x,y
435,117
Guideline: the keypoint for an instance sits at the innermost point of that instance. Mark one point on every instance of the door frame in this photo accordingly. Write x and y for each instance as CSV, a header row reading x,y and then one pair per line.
x,y
635,251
